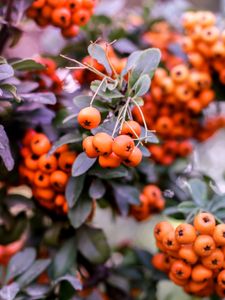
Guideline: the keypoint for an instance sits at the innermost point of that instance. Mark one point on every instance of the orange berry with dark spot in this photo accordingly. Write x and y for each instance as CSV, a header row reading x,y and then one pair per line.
x,y
161,229
123,146
58,180
200,273
219,235
179,73
109,161
204,245
74,5
28,136
60,150
103,143
89,117
41,180
134,159
70,31
88,147
187,253
221,279
66,160
169,241
60,200
205,223
81,17
131,128
185,233
181,270
47,164
31,162
40,144
214,261
61,17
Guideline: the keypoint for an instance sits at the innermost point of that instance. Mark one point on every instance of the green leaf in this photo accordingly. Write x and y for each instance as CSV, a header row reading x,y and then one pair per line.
x,y
93,245
80,212
186,207
10,89
68,138
64,259
19,263
9,292
108,173
105,93
144,150
125,195
198,190
43,98
75,282
27,65
33,272
146,63
6,71
98,53
82,164
97,189
142,86
106,127
131,62
74,189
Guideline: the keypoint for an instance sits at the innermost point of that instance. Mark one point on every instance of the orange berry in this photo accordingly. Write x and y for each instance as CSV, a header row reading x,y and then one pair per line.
x,y
185,234
214,261
204,245
102,143
161,229
180,282
210,34
89,4
58,180
70,31
219,235
187,253
81,17
89,148
89,117
169,241
221,279
134,159
31,162
66,160
28,136
38,3
58,152
123,146
131,128
179,73
46,12
61,17
44,194
47,164
74,5
109,161
41,180
205,223
60,200
40,144
180,270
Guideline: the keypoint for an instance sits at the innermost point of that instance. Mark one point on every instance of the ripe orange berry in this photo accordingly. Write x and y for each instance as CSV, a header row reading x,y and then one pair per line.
x,y
57,3
204,245
164,125
89,148
123,146
183,93
47,164
81,17
58,180
205,223
70,31
25,151
44,194
46,12
60,150
158,262
167,85
134,159
38,3
61,17
187,253
169,241
40,144
74,5
180,269
185,148
151,191
89,117
66,160
179,73
195,287
26,174
89,4
210,34
102,143
31,162
221,279
205,18
214,261
219,235
161,229
188,20
60,200
180,282
185,233
109,161
200,273
131,128
41,180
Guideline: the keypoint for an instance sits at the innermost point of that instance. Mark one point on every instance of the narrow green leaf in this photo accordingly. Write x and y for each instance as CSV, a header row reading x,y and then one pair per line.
x,y
82,164
80,212
74,189
98,53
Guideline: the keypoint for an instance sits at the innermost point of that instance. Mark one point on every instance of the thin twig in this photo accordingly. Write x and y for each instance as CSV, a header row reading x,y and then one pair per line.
x,y
96,93
142,116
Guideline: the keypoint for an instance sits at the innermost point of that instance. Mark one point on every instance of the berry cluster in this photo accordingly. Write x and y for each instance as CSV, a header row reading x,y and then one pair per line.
x,y
68,15
152,202
111,152
193,255
46,174
47,79
85,76
204,42
174,106
162,35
